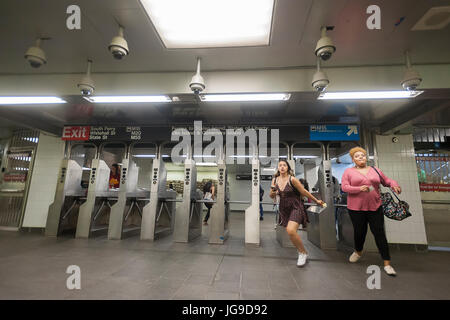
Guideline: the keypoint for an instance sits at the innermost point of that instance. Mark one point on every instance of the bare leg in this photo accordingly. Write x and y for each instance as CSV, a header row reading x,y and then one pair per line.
x,y
291,230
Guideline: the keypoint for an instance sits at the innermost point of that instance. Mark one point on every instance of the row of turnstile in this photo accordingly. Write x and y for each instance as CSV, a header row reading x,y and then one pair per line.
x,y
153,213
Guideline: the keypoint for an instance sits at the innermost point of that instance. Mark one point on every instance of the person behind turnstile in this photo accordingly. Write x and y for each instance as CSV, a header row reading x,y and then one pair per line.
x,y
208,195
362,182
292,212
261,194
306,186
114,177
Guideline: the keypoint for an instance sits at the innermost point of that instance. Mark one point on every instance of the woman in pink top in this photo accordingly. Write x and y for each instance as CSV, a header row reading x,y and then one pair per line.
x,y
364,205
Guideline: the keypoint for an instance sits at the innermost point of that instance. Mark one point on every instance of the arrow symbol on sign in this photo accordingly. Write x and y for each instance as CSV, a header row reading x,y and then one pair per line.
x,y
352,129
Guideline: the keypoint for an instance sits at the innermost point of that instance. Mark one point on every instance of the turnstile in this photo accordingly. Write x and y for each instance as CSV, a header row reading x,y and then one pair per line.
x,y
129,198
158,216
218,226
98,198
252,224
63,212
322,224
188,218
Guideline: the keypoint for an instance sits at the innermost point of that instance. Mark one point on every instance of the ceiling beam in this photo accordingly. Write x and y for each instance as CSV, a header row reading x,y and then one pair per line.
x,y
404,117
283,80
26,121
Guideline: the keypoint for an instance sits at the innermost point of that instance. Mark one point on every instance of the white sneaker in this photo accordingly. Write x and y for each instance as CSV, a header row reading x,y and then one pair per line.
x,y
354,257
301,259
390,271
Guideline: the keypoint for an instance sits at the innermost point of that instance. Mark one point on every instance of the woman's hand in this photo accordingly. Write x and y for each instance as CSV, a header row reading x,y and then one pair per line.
x,y
320,203
273,192
364,188
397,190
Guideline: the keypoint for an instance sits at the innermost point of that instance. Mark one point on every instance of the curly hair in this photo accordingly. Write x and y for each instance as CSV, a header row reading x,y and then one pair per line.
x,y
355,150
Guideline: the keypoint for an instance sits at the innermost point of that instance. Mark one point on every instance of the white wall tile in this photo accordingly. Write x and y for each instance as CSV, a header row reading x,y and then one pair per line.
x,y
397,160
41,194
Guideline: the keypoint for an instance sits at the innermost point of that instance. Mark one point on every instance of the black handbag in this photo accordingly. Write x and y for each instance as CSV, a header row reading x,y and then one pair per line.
x,y
392,209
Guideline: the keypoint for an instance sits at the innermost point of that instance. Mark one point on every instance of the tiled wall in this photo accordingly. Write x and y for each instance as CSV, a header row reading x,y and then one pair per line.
x,y
397,161
50,152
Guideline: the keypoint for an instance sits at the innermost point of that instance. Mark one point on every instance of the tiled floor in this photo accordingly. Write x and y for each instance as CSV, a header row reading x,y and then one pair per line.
x,y
34,267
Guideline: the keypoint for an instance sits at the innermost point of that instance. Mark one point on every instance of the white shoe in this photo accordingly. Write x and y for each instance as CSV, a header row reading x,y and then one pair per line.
x,y
390,271
354,257
301,259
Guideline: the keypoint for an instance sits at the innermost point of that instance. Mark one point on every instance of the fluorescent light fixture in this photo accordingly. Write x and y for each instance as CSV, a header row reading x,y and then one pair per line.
x,y
35,140
206,164
211,23
127,99
144,155
246,156
246,97
368,95
30,100
305,157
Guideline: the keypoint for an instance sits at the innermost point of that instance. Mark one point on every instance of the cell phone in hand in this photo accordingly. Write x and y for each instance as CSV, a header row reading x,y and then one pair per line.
x,y
371,188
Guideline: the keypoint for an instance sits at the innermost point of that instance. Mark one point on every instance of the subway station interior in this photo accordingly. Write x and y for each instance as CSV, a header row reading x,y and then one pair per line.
x,y
115,115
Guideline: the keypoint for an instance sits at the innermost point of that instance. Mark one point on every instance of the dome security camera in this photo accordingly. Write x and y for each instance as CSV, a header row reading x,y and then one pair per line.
x,y
86,84
87,88
325,47
197,84
119,46
411,78
35,55
320,80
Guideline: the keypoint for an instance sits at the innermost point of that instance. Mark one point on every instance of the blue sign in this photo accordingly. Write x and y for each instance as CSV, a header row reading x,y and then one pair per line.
x,y
334,132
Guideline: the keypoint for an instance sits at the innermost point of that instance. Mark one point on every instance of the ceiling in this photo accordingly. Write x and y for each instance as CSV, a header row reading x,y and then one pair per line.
x,y
295,31
302,109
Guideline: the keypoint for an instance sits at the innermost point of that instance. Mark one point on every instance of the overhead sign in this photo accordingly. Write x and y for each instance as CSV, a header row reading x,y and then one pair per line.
x,y
76,133
334,132
101,133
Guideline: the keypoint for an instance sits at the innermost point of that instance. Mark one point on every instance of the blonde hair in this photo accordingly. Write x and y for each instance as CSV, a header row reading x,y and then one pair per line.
x,y
355,150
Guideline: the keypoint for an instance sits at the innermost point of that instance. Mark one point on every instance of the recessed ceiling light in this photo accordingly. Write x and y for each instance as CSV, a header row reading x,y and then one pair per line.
x,y
368,95
211,23
246,97
127,99
30,100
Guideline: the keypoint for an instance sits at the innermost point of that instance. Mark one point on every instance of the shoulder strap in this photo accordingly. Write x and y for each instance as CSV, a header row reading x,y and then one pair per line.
x,y
388,188
377,172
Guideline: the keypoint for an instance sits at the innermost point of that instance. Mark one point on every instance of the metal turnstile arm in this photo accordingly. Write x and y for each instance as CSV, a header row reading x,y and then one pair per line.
x,y
70,209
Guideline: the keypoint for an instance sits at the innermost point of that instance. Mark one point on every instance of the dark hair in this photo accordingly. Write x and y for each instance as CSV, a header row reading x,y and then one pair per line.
x,y
207,186
290,172
115,165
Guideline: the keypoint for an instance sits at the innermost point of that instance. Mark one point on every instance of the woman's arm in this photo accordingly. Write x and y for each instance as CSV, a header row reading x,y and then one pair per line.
x,y
385,181
296,184
345,184
213,190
